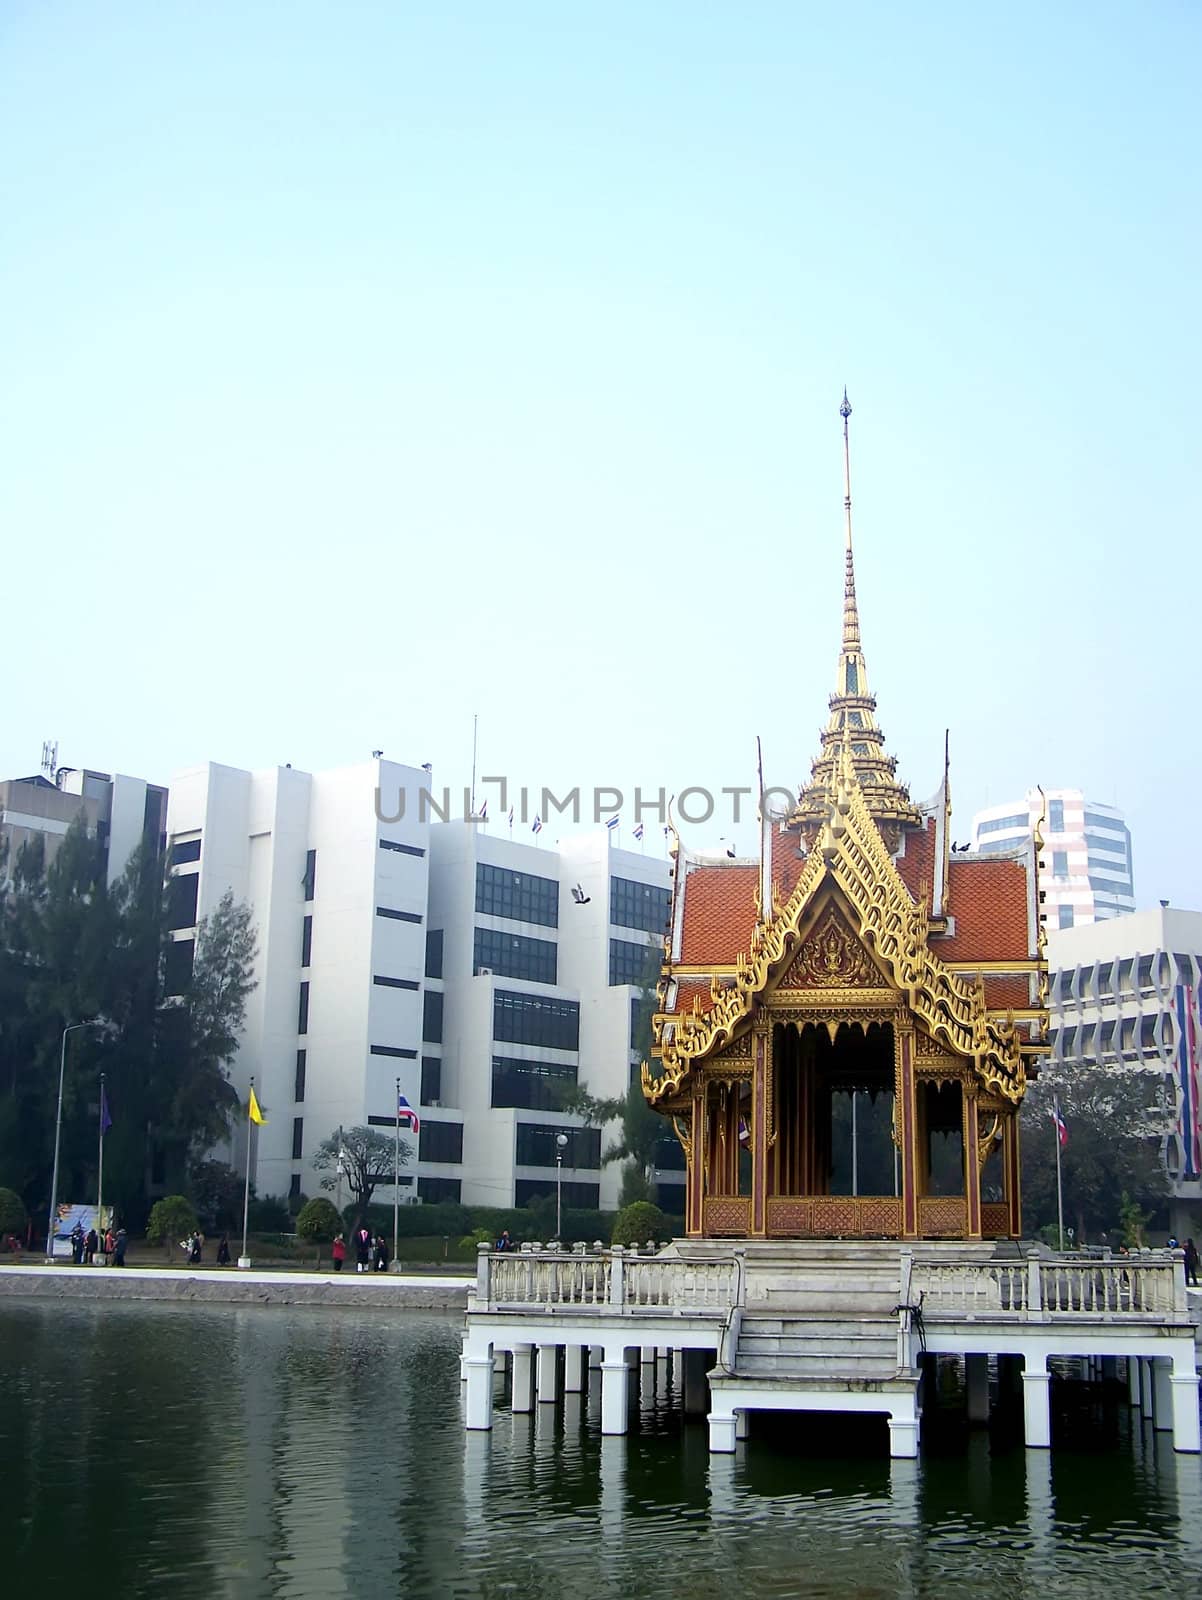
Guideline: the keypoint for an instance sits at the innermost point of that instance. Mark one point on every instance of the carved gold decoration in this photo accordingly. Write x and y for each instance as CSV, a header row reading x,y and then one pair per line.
x,y
831,958
995,1219
989,1134
686,1144
727,1214
942,1216
850,851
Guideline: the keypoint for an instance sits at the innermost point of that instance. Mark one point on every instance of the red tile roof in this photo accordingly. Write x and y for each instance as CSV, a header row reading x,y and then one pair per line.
x,y
917,866
719,914
1014,989
988,900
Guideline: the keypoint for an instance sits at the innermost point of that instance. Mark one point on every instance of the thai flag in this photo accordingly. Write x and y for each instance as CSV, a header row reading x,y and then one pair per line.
x,y
406,1113
1061,1125
744,1131
537,825
483,812
613,823
511,819
638,830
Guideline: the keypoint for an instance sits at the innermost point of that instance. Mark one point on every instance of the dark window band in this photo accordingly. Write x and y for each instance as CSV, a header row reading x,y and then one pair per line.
x,y
391,1050
396,983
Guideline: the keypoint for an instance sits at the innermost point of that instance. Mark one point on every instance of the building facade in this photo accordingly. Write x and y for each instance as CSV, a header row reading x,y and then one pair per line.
x,y
1126,993
481,974
1086,868
119,811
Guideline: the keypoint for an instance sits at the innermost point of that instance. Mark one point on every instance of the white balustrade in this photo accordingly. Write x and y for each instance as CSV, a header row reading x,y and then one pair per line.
x,y
615,1280
1056,1288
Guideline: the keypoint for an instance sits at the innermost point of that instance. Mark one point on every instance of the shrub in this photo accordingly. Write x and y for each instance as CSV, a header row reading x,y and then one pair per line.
x,y
269,1214
639,1222
171,1219
318,1221
12,1212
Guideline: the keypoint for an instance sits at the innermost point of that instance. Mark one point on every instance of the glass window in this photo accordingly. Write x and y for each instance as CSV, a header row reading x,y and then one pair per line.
x,y
310,873
630,963
519,896
639,905
435,1191
431,1080
432,1017
181,901
1056,816
1004,824
398,916
531,1085
302,1010
853,679
298,1089
294,1187
396,983
307,942
433,952
1066,916
537,1146
298,1138
579,1196
393,1050
184,850
513,956
401,849
177,966
440,1141
1060,863
533,1019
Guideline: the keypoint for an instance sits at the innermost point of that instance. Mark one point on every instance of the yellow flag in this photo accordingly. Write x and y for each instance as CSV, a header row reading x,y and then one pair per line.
x,y
255,1114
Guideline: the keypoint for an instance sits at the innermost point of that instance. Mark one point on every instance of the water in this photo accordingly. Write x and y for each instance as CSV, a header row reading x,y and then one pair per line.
x,y
251,1452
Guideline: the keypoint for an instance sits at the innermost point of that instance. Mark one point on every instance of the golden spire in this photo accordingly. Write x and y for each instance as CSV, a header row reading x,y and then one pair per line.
x,y
852,722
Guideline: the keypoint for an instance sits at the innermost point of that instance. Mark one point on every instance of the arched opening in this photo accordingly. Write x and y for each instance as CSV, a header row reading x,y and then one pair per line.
x,y
834,1110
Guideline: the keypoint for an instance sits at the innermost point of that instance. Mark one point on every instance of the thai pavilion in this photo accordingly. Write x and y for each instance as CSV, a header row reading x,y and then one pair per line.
x,y
848,1022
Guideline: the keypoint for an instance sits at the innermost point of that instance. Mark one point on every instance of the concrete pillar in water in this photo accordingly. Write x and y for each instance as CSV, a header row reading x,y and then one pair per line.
x,y
1183,1383
742,1423
696,1365
1145,1388
595,1357
523,1377
1162,1388
548,1373
976,1383
1133,1381
615,1380
1037,1416
573,1368
479,1373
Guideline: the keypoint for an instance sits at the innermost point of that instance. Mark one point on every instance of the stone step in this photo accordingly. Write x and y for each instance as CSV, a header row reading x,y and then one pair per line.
x,y
835,1369
814,1344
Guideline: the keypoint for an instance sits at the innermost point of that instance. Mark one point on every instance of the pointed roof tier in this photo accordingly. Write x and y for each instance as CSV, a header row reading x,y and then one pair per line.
x,y
852,719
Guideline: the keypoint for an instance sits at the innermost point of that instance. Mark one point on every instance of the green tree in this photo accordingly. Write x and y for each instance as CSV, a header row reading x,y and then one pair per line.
x,y
216,1191
1116,1120
637,1223
12,1212
318,1222
170,1218
367,1157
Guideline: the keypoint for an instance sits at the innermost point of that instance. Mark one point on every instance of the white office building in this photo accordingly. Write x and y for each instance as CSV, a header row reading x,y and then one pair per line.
x,y
1125,993
485,973
1086,872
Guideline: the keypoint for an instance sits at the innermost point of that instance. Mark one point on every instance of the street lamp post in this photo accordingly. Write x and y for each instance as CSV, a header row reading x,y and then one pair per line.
x,y
72,1027
561,1144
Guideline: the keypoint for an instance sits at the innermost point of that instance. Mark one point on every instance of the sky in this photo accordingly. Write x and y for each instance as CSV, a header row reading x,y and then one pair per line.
x,y
370,368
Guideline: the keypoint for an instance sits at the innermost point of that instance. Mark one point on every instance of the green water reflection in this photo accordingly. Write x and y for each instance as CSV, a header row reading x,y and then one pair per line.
x,y
181,1451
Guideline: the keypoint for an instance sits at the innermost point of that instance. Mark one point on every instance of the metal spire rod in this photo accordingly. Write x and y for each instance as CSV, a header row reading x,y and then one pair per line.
x,y
851,614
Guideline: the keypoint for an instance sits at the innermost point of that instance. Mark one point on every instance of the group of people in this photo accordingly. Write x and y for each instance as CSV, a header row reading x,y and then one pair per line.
x,y
85,1247
193,1247
370,1254
1191,1259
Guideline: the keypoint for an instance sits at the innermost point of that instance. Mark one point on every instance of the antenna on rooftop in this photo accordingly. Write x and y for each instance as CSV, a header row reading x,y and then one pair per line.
x,y
49,758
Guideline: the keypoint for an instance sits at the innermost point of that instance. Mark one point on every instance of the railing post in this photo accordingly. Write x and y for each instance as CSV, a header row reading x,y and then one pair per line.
x,y
1180,1297
1034,1283
905,1340
483,1275
617,1284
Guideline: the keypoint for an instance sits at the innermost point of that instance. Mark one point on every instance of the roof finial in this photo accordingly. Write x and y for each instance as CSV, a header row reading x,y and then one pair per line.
x,y
851,614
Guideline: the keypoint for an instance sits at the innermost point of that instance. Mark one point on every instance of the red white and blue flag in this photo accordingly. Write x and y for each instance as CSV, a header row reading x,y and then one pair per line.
x,y
406,1113
1061,1125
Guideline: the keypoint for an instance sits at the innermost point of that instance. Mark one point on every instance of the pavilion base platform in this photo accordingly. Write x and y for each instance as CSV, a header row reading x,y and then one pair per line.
x,y
842,1326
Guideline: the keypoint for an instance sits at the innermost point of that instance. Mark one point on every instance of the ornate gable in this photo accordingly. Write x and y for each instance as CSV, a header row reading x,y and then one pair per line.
x,y
832,956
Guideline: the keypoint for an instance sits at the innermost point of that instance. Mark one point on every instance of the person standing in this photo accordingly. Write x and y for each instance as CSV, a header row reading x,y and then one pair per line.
x,y
338,1251
119,1243
77,1243
89,1246
1191,1263
223,1251
381,1253
362,1248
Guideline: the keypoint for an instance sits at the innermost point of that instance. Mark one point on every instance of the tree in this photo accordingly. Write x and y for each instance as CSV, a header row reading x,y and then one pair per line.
x,y
318,1222
169,1218
1116,1118
367,1157
638,1223
216,1191
12,1212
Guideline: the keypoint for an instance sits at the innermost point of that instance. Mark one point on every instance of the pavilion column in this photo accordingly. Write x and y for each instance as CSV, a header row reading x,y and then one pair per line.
x,y
762,1118
1010,1158
972,1166
907,1126
695,1177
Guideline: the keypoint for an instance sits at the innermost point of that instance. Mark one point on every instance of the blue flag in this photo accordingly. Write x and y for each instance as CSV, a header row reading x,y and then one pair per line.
x,y
106,1121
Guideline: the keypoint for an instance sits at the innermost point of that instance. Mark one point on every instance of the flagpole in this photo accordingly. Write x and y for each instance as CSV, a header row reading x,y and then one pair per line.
x,y
339,1191
1059,1182
100,1167
243,1260
396,1171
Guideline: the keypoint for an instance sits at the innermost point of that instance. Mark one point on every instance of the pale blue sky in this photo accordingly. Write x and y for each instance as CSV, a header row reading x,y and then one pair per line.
x,y
365,366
